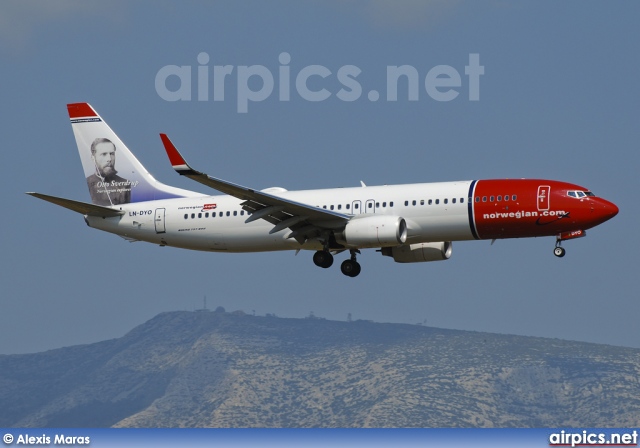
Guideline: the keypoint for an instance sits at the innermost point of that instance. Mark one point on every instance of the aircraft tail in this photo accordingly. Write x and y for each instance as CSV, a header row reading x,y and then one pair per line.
x,y
114,175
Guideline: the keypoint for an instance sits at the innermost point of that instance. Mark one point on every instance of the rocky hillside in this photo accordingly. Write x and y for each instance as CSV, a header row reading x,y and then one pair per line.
x,y
216,369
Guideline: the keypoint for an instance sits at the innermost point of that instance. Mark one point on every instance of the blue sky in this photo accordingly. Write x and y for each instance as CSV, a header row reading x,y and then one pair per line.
x,y
559,99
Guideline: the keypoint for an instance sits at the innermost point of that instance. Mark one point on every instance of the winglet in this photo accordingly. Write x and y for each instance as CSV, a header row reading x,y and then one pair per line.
x,y
175,158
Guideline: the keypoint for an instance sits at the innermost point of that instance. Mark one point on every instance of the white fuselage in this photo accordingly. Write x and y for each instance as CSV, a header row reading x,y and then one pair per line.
x,y
433,212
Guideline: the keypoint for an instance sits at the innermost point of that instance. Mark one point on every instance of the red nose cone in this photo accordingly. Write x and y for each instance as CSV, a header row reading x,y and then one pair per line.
x,y
612,210
605,210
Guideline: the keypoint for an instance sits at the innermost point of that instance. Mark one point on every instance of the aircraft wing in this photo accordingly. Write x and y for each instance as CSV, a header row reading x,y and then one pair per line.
x,y
306,221
79,207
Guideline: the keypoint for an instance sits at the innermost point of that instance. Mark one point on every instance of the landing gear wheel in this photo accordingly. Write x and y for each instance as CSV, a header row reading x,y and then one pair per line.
x,y
350,268
323,259
357,271
559,251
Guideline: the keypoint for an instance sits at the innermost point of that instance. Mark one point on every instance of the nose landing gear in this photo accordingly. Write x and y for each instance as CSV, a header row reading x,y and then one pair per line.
x,y
559,250
564,236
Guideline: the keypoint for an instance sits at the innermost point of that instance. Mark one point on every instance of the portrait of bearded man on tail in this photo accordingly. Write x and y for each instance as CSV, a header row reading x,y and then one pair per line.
x,y
105,186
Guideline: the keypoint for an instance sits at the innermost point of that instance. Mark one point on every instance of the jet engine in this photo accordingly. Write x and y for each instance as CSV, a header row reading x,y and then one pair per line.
x,y
375,231
418,253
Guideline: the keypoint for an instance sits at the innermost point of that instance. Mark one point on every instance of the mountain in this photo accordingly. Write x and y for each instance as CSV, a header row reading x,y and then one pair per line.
x,y
218,369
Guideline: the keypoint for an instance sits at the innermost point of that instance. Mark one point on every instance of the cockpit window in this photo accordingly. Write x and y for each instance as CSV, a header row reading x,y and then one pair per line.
x,y
580,194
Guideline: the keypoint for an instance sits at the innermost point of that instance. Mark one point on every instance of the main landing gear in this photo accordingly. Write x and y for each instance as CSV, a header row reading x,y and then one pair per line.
x,y
350,267
323,258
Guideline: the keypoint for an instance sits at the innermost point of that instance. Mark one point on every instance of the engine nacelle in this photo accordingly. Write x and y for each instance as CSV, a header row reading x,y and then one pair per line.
x,y
375,231
418,253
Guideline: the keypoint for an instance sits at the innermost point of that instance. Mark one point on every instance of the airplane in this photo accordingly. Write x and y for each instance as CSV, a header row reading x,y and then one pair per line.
x,y
410,223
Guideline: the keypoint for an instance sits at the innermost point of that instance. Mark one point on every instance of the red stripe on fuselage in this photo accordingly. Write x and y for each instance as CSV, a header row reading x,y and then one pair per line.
x,y
515,208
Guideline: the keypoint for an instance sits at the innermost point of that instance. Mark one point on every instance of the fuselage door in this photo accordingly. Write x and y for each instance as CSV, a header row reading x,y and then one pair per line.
x,y
543,197
370,206
356,207
159,220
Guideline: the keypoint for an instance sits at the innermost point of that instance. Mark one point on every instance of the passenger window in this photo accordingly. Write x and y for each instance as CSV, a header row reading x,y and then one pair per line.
x,y
453,201
384,204
499,198
484,199
506,197
391,204
413,202
492,198
213,215
339,206
370,205
228,213
437,201
356,206
186,216
421,201
514,197
235,213
446,201
377,205
430,201
406,203
206,215
477,198
331,207
242,212
193,215
347,206
462,200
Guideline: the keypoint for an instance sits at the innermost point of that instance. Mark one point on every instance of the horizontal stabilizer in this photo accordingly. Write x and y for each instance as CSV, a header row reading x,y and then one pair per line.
x,y
79,207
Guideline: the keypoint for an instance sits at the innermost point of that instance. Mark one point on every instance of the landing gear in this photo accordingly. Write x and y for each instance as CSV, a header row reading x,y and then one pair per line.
x,y
351,267
323,259
564,236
